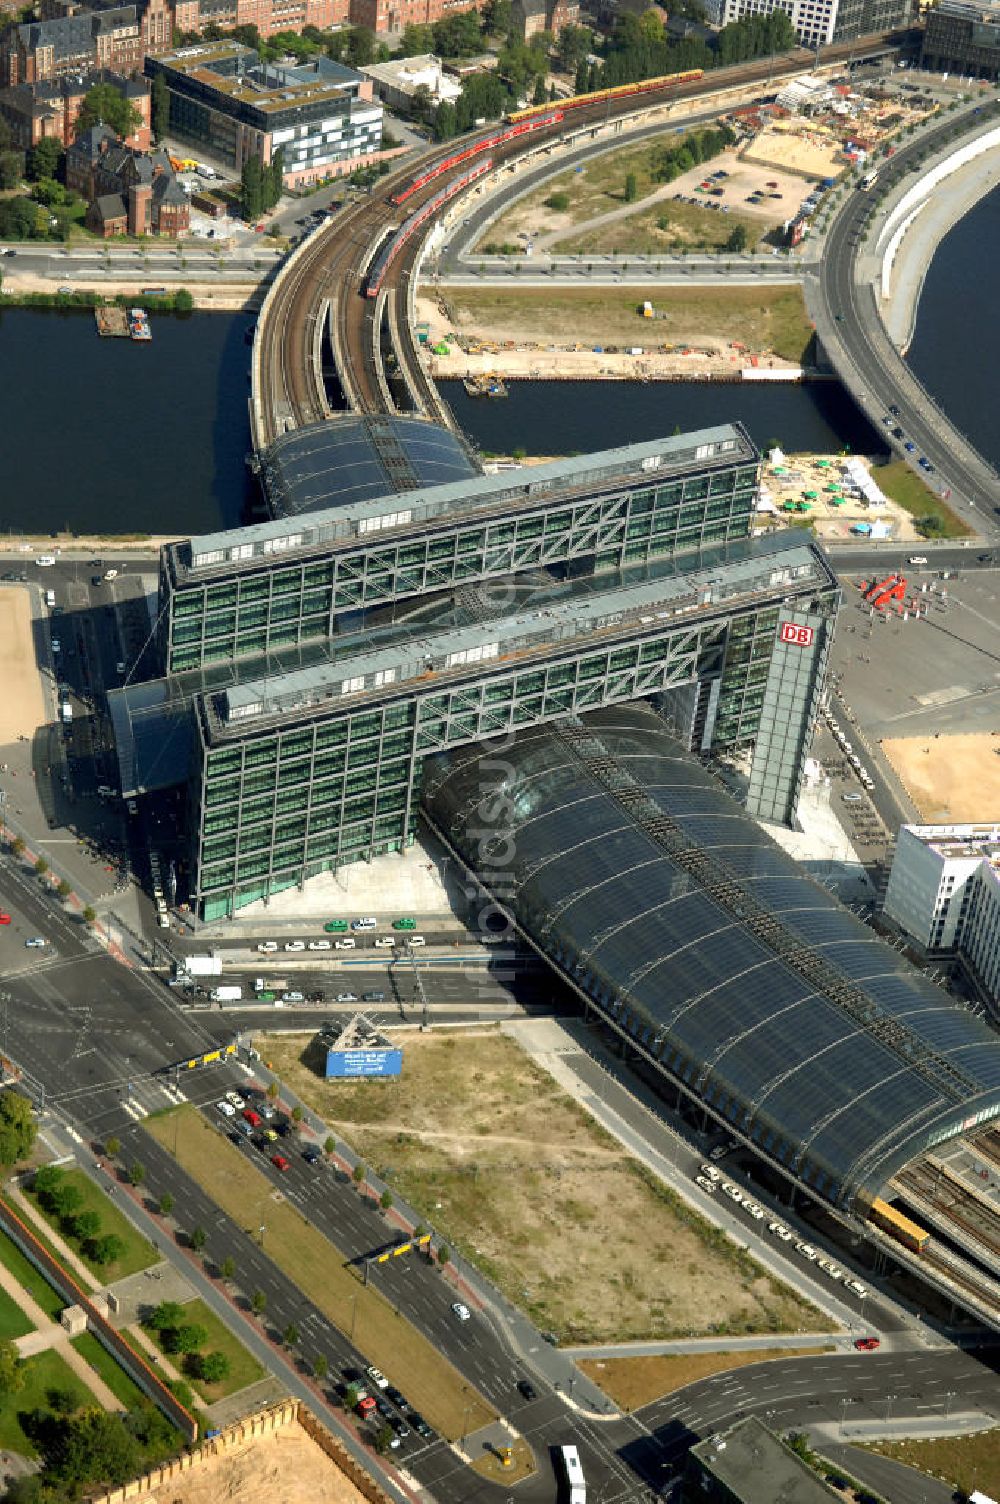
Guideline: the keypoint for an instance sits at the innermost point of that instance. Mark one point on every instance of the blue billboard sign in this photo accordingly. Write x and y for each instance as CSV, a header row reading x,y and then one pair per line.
x,y
341,1063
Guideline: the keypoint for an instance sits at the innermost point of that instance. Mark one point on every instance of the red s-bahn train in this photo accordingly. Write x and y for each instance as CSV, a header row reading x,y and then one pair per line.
x,y
485,143
396,239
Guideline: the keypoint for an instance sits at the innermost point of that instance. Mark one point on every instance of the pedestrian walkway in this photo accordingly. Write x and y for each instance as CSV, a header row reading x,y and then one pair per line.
x,y
48,1234
50,1335
768,1340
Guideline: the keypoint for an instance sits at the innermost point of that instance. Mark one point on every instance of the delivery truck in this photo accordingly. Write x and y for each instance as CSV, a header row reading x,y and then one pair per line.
x,y
202,966
227,994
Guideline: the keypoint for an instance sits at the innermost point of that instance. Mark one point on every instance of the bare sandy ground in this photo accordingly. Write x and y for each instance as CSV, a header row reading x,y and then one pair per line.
x,y
951,779
22,705
286,1467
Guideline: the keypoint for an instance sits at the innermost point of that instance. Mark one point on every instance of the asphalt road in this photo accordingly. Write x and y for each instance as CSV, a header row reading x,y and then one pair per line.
x,y
851,320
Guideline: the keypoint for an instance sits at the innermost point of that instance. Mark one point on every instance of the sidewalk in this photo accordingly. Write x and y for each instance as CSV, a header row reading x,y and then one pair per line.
x,y
711,1345
48,1233
49,1334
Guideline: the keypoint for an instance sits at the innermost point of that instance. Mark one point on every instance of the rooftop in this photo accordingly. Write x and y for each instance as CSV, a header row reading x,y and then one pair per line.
x,y
958,840
632,601
313,471
756,1467
233,70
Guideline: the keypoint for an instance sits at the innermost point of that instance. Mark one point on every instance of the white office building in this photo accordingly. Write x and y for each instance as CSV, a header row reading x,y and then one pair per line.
x,y
814,20
944,893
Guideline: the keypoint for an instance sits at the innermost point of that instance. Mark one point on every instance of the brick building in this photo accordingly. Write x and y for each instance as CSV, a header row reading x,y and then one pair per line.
x,y
156,17
533,16
131,192
382,16
51,107
40,50
268,16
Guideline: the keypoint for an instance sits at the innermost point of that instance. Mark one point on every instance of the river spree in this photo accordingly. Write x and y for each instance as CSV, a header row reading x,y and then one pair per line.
x,y
952,359
111,436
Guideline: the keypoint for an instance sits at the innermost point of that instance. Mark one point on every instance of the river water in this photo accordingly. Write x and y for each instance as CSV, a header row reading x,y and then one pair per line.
x,y
110,436
107,436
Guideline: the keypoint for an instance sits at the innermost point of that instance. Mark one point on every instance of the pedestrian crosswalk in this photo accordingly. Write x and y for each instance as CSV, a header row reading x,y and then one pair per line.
x,y
152,1093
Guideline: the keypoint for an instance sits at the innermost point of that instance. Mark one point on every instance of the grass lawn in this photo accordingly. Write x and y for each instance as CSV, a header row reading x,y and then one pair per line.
x,y
117,1380
320,1271
764,318
13,1322
243,1367
900,483
667,226
139,1253
43,1372
569,1226
27,1275
965,1462
634,1382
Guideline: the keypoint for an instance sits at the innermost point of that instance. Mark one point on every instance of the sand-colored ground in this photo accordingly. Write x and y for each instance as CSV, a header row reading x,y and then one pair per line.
x,y
285,1467
22,705
949,778
800,474
815,153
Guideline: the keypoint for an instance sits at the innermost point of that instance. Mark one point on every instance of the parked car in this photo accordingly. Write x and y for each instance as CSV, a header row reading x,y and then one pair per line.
x,y
295,945
280,1162
227,1109
377,1377
526,1389
461,1310
867,1344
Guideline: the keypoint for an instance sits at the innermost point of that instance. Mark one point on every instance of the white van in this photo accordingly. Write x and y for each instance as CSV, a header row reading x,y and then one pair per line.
x,y
367,923
348,944
416,941
50,598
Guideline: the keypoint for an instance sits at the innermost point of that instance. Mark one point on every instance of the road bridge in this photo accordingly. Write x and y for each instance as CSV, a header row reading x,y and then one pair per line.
x,y
319,287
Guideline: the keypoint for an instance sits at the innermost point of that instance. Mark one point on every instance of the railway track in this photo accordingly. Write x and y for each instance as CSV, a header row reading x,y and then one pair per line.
x,y
971,1214
326,272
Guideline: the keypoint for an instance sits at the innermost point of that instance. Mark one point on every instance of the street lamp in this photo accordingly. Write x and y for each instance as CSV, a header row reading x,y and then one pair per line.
x,y
948,1397
260,1233
888,1406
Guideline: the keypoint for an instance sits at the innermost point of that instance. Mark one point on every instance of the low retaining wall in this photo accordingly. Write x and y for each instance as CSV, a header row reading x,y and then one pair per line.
x,y
274,1418
123,1352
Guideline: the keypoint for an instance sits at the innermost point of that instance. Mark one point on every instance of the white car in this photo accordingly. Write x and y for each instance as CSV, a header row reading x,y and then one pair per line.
x,y
780,1231
235,1100
710,1172
320,945
807,1251
706,1184
45,561
855,1288
347,944
461,1311
733,1192
384,942
416,941
227,1109
346,997
377,1377
56,645
830,1269
755,1211
268,946
913,559
295,945
34,942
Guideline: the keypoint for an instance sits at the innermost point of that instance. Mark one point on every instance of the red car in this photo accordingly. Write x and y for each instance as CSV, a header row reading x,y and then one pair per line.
x,y
280,1162
4,919
867,1344
366,1405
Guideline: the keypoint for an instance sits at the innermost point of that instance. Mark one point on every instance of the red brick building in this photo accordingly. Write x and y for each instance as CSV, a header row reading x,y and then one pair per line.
x,y
40,50
131,193
383,16
50,108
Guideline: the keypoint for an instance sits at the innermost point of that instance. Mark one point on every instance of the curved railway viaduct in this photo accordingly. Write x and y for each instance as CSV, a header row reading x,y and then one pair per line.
x,y
317,301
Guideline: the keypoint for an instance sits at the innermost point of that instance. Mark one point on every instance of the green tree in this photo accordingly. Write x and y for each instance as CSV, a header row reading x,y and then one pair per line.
x,y
445,121
183,301
48,192
199,1238
228,1267
358,1174
94,1447
89,915
112,1147
106,1250
416,40
11,169
41,867
291,1336
67,1200
360,49
297,1114
17,1127
352,1394
272,1091
211,1368
17,846
383,1438
83,1226
258,1302
11,1368
44,159
321,1365
572,47
385,1200
166,1204
251,189
160,106
103,105
541,94
582,77
498,17
184,1339
738,239
168,1314
137,1174
61,1401
330,1144
444,1255
631,188
63,888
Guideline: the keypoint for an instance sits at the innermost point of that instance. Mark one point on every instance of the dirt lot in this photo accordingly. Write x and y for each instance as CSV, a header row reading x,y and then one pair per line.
x,y
285,1466
951,779
965,1462
22,708
597,218
760,318
793,146
515,1174
634,1382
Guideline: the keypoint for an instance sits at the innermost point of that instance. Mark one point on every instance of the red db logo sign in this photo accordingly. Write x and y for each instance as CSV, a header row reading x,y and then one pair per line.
x,y
799,637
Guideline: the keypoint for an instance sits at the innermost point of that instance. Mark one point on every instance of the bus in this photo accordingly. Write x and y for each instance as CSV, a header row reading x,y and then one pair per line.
x,y
868,181
576,1484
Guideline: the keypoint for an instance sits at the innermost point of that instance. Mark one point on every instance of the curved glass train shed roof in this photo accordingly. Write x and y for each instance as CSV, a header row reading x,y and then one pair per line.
x,y
351,459
690,928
